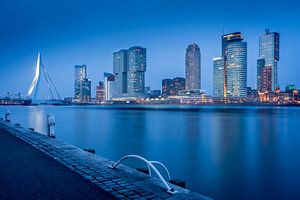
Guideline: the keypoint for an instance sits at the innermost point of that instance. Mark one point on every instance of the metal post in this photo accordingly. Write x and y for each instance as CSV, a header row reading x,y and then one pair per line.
x,y
7,116
50,125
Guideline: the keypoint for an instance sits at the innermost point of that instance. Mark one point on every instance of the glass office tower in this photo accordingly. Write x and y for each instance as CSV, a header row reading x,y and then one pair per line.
x,y
234,51
269,51
82,85
218,77
120,70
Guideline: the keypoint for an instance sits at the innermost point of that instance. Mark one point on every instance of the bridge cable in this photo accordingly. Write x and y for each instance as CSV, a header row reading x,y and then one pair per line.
x,y
43,68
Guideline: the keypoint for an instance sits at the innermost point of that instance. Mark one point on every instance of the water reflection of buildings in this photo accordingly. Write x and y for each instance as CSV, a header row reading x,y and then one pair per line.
x,y
37,120
267,162
81,127
230,149
128,124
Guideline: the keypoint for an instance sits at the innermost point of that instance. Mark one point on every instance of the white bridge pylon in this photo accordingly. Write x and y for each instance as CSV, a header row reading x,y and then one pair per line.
x,y
33,89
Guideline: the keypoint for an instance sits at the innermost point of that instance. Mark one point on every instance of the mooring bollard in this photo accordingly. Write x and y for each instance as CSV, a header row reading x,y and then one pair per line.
x,y
143,170
51,125
93,151
7,116
178,182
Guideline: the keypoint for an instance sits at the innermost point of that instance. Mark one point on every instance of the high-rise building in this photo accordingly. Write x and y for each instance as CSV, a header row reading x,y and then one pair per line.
x,y
136,71
193,67
227,38
82,85
178,85
80,74
129,67
109,80
260,66
171,87
85,86
269,52
166,87
218,77
234,51
120,70
266,79
100,92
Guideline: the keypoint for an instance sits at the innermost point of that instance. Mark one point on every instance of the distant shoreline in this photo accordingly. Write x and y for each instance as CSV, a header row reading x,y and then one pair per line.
x,y
137,106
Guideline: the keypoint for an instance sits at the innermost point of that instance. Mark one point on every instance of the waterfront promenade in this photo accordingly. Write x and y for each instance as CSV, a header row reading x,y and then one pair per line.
x,y
27,173
34,166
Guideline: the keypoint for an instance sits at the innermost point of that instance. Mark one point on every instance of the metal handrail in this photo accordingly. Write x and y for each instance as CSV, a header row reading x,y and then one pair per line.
x,y
150,165
163,166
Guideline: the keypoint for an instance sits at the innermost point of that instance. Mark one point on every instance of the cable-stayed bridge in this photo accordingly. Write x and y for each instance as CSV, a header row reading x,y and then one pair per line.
x,y
41,71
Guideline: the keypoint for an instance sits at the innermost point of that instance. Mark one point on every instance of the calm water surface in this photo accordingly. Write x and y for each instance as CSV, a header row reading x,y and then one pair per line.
x,y
221,152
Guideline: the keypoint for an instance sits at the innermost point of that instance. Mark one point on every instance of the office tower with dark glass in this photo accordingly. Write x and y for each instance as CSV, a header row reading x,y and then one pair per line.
x,y
166,87
120,70
268,58
193,67
234,51
178,84
129,67
218,77
82,85
171,87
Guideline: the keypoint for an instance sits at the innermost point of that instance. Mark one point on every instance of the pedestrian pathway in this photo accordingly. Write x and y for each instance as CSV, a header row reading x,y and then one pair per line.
x,y
27,173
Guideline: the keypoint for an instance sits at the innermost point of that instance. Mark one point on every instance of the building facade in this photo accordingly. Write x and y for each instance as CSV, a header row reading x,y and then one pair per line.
x,y
269,52
100,92
260,66
82,85
109,86
266,79
171,87
193,67
86,92
218,77
178,85
136,71
167,85
234,51
129,67
120,62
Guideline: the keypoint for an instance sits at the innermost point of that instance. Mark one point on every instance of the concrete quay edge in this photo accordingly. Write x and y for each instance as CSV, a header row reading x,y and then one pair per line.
x,y
123,182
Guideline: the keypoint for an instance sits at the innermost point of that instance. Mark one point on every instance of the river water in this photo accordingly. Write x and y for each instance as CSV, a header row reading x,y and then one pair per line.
x,y
221,152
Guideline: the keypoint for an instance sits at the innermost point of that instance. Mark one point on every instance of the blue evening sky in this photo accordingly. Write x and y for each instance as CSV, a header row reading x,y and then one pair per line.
x,y
88,32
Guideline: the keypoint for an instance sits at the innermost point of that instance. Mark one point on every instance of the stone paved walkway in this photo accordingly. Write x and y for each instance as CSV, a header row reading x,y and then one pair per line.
x,y
121,183
26,173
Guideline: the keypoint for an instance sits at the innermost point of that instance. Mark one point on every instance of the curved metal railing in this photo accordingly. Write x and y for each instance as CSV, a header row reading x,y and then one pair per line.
x,y
150,165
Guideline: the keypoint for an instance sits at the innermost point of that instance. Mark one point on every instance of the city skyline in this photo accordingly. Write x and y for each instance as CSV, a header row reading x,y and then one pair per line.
x,y
165,48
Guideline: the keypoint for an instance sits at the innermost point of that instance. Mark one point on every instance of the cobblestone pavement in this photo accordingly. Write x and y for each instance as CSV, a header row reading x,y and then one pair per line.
x,y
26,173
122,182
